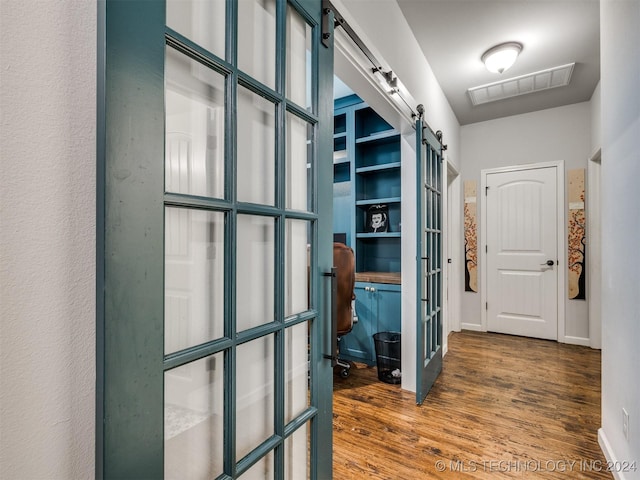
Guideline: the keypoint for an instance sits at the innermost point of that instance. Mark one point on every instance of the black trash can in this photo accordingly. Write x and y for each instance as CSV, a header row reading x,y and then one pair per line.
x,y
388,356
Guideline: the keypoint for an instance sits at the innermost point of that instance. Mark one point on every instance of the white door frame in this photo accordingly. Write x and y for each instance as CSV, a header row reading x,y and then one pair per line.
x,y
452,237
562,248
594,261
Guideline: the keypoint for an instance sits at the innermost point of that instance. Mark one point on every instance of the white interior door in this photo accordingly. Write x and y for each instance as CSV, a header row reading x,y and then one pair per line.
x,y
522,252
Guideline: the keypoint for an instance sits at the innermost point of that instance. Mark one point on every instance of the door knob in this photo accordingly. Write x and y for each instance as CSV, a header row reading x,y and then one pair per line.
x,y
549,263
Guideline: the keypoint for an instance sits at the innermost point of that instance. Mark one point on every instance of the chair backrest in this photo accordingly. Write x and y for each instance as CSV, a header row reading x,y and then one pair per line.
x,y
344,261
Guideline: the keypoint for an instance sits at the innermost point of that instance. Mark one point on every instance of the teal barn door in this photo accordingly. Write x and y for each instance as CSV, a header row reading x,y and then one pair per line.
x,y
429,268
214,234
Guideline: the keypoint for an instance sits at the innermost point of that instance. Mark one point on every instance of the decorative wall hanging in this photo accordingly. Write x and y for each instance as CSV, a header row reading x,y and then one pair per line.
x,y
377,219
470,237
577,235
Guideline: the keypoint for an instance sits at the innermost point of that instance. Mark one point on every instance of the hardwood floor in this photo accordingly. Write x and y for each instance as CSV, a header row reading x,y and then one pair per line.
x,y
503,407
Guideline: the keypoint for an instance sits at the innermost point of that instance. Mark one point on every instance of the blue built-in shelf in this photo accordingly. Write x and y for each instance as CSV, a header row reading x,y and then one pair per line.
x,y
376,201
378,136
379,235
378,168
367,172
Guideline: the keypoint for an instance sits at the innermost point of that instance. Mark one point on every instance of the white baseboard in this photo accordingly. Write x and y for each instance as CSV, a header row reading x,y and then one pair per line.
x,y
605,446
585,342
471,326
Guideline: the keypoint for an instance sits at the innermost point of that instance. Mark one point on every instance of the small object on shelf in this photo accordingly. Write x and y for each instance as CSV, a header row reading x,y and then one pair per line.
x,y
377,219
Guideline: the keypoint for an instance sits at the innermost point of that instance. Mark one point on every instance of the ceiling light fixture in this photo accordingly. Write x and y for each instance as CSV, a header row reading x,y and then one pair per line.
x,y
498,59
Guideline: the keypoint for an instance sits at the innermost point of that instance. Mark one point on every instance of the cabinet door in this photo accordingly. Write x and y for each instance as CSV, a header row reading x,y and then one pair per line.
x,y
387,301
378,310
358,344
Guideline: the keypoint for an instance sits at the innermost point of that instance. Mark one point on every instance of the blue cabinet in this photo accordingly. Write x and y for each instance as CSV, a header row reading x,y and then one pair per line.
x,y
378,306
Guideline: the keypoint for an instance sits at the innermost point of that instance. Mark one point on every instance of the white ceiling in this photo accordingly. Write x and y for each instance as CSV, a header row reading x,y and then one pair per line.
x,y
453,35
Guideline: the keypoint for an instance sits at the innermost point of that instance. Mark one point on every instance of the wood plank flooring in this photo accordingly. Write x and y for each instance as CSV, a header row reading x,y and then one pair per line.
x,y
503,407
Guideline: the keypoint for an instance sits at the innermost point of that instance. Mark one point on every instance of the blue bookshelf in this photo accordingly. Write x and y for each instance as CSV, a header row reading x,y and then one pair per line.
x,y
367,166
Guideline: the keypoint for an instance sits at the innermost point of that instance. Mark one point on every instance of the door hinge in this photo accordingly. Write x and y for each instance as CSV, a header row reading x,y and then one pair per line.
x,y
486,249
486,305
486,190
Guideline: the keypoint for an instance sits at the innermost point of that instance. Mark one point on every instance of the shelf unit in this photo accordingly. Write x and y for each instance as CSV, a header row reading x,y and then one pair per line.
x,y
367,167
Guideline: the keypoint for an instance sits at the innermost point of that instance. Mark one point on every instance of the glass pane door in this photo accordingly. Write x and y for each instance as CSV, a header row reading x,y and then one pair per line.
x,y
430,275
217,164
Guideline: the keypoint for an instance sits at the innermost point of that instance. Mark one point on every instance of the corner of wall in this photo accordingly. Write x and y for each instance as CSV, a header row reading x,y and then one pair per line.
x,y
620,69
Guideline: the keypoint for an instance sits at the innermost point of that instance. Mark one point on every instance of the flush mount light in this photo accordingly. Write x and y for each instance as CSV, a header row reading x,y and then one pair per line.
x,y
498,59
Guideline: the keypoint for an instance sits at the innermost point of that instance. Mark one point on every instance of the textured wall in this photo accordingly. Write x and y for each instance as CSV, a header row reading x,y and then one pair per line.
x,y
619,40
47,238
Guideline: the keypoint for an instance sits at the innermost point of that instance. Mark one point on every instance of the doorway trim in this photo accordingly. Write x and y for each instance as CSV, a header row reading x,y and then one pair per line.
x,y
594,252
452,222
561,228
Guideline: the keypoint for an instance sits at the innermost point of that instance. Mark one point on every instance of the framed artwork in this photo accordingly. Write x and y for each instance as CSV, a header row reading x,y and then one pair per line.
x,y
377,219
470,237
577,241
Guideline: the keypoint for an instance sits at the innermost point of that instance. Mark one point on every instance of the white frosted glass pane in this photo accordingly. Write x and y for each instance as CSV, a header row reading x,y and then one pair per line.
x,y
254,390
298,163
194,127
296,267
297,463
194,277
254,271
262,470
296,371
257,39
193,420
201,21
298,59
256,148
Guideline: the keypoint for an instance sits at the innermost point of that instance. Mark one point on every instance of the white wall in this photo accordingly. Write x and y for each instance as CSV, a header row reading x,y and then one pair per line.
x,y
47,238
409,273
594,223
549,135
620,67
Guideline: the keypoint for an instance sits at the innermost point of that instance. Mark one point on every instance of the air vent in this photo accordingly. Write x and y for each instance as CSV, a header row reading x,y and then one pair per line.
x,y
512,87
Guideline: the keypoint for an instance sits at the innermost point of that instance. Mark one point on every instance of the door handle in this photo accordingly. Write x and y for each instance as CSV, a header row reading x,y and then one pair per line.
x,y
428,279
549,263
333,355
